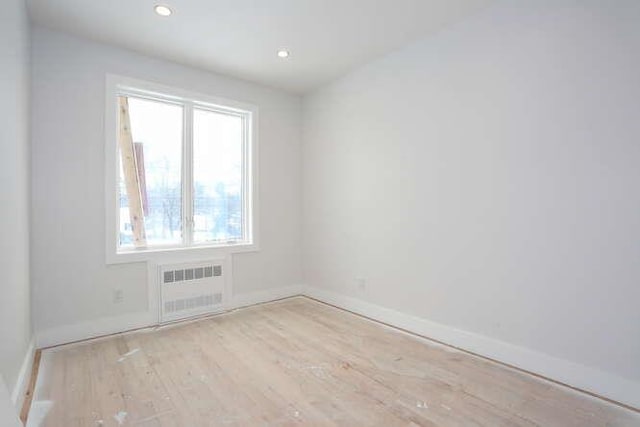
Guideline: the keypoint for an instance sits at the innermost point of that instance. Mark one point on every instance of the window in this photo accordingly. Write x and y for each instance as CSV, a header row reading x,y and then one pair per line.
x,y
179,172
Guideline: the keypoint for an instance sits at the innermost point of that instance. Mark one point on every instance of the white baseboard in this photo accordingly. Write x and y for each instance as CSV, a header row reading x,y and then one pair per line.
x,y
573,374
8,412
94,328
576,375
113,325
257,297
20,387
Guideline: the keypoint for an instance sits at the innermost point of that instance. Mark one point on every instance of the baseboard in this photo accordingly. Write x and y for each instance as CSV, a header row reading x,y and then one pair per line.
x,y
93,328
20,387
112,325
8,413
257,297
575,375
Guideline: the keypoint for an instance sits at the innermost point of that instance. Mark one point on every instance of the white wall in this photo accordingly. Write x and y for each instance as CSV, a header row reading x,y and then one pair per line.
x,y
15,324
487,179
72,285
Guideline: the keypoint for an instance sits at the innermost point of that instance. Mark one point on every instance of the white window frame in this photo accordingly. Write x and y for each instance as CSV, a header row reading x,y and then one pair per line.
x,y
119,85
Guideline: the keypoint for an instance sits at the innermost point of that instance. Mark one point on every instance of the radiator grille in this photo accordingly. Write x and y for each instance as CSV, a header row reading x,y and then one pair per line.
x,y
191,303
182,275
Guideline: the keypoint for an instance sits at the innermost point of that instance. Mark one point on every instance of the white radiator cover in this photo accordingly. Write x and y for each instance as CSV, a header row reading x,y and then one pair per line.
x,y
191,289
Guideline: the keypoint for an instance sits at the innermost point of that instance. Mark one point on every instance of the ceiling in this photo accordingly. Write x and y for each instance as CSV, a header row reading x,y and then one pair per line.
x,y
326,38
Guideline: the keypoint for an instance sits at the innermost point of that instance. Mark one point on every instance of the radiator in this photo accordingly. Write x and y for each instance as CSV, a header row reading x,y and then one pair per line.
x,y
193,289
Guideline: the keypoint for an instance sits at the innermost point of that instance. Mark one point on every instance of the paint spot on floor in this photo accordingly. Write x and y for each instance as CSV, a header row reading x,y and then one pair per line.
x,y
119,417
126,355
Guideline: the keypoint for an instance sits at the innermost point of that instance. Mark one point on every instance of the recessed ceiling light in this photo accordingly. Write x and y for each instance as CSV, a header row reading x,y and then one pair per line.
x,y
283,53
162,10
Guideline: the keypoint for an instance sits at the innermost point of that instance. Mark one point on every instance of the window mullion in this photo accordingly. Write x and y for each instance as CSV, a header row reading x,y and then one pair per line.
x,y
187,176
246,179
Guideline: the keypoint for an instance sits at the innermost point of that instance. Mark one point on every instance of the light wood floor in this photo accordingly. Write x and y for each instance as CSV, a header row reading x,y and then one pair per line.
x,y
295,362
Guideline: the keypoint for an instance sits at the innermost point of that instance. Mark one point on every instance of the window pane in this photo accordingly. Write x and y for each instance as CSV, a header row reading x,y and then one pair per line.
x,y
157,130
217,176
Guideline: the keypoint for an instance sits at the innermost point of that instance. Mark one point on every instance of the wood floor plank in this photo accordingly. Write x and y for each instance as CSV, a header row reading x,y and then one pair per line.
x,y
290,363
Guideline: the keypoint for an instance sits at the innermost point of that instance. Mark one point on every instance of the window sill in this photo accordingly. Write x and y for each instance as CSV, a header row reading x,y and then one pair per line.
x,y
176,255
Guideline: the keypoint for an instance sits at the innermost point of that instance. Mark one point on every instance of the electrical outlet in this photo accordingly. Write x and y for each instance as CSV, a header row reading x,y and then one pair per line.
x,y
361,283
118,296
